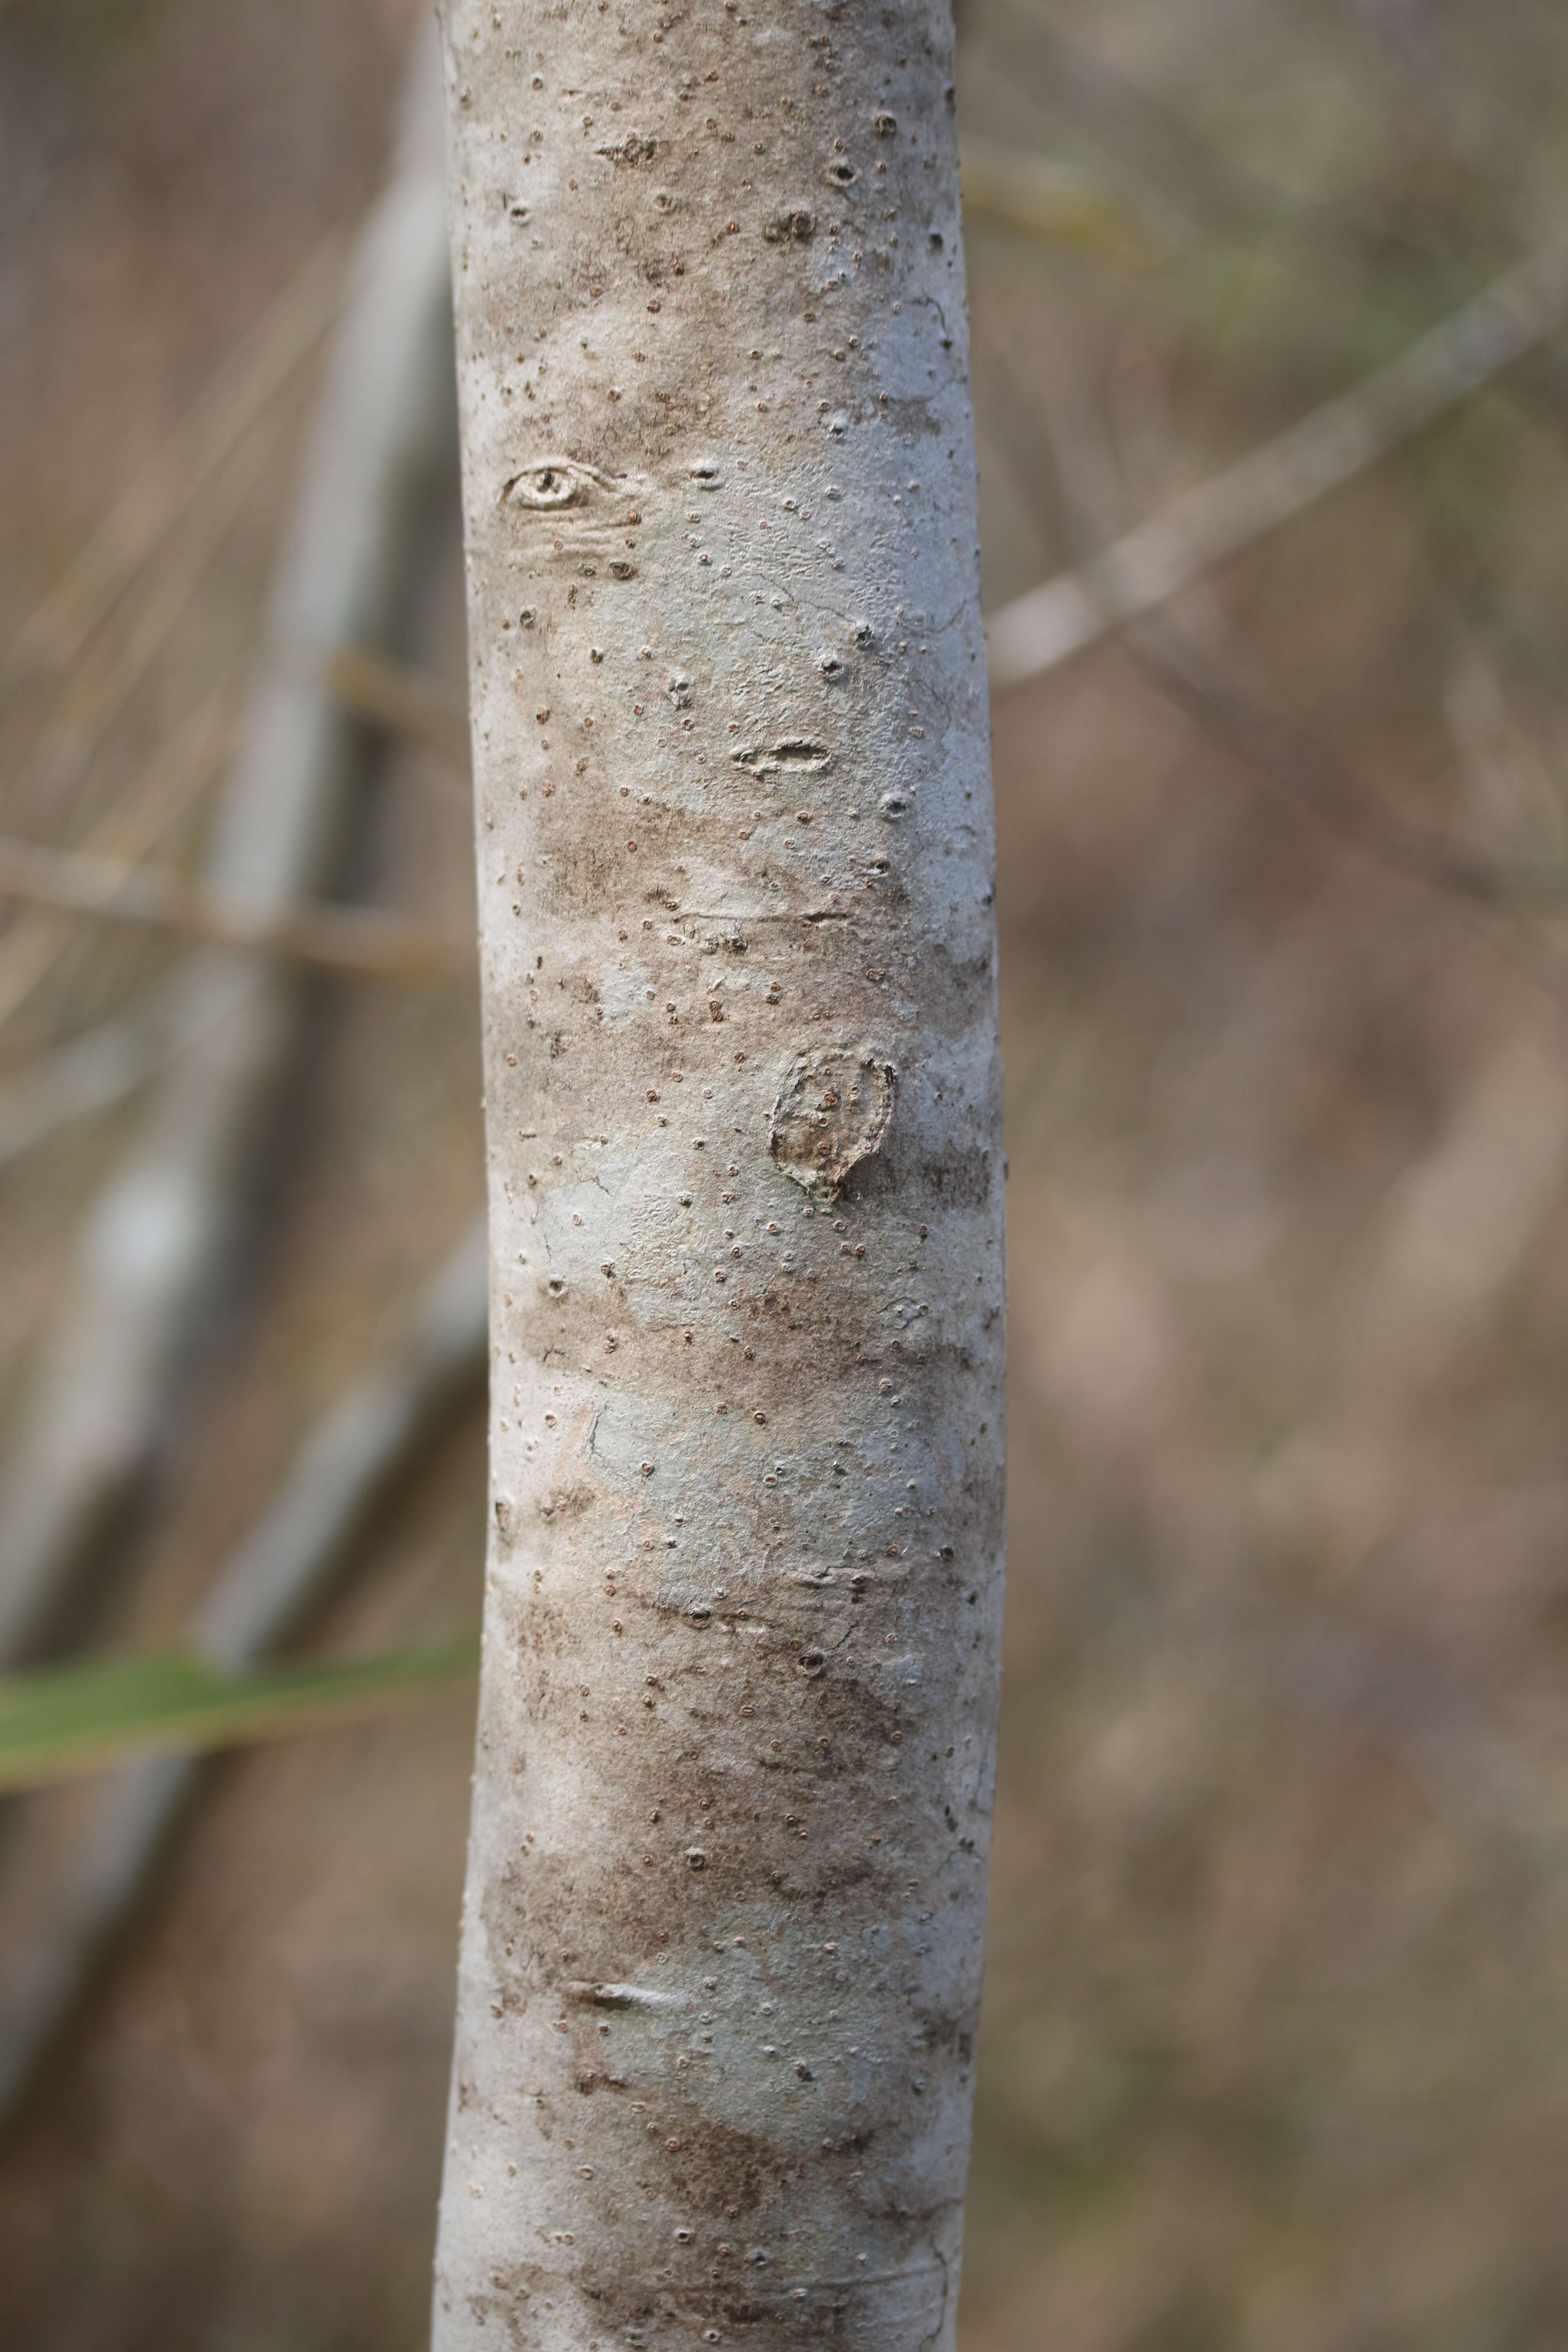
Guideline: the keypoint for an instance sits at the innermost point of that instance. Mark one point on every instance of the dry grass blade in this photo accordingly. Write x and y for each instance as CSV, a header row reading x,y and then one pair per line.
x,y
263,1597
352,939
100,1067
238,395
1141,571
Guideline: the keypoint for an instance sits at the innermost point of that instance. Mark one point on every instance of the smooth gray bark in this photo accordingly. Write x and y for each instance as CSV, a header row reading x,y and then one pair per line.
x,y
722,1931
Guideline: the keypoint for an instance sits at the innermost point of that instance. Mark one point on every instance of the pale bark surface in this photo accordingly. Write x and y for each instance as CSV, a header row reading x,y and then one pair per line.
x,y
722,1934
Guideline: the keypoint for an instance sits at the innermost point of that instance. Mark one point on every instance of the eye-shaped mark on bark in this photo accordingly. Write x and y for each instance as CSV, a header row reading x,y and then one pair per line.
x,y
635,148
884,125
704,474
552,483
623,1995
840,174
794,756
542,487
793,227
833,1111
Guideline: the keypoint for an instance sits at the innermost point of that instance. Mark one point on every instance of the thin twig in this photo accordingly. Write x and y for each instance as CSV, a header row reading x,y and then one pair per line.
x,y
1149,564
1477,134
1152,143
1320,783
354,939
265,1598
1310,776
1472,129
407,701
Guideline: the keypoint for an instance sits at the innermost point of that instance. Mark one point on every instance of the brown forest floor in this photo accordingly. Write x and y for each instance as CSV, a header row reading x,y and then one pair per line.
x,y
1274,2056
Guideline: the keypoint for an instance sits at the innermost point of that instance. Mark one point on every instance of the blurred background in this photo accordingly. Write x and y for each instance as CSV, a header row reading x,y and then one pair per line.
x,y
1274,2054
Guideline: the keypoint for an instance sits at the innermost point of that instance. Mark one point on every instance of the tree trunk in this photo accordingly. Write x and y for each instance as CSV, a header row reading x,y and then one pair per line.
x,y
722,1934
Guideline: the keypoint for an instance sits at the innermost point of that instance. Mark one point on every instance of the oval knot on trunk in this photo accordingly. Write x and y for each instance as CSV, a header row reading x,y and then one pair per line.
x,y
832,1112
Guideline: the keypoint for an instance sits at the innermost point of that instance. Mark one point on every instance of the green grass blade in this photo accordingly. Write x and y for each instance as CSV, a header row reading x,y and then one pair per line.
x,y
61,1721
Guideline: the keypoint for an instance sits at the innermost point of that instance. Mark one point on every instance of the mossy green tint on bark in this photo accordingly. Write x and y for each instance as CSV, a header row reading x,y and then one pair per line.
x,y
722,1934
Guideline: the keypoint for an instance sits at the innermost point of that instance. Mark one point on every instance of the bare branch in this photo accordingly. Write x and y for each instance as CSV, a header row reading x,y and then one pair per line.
x,y
1315,779
404,700
354,939
263,1597
163,1235
1141,571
